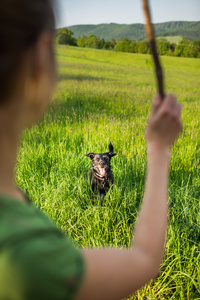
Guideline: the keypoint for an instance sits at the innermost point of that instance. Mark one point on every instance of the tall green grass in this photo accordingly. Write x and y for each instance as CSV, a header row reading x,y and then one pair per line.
x,y
105,96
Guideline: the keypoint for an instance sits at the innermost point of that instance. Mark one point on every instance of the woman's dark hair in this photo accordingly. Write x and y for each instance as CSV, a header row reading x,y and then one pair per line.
x,y
21,23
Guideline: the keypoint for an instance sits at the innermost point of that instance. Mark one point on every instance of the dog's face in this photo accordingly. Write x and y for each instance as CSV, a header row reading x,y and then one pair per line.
x,y
101,161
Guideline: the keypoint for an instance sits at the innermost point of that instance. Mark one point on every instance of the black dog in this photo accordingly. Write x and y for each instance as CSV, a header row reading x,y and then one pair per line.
x,y
100,174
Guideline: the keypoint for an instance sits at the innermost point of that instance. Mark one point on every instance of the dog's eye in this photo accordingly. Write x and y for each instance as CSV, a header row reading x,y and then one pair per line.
x,y
106,158
97,159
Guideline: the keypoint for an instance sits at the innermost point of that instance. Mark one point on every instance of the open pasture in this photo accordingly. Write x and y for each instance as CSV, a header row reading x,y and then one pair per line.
x,y
106,96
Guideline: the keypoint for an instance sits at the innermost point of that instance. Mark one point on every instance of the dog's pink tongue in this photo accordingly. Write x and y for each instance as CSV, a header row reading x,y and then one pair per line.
x,y
102,171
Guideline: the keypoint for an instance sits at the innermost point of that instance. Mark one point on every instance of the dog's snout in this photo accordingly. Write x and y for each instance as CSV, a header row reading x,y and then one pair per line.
x,y
102,164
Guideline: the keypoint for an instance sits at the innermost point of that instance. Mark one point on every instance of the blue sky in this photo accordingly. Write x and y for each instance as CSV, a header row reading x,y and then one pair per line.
x,y
73,12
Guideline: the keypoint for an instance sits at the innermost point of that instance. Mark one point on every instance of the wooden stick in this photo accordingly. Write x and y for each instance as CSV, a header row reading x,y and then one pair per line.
x,y
152,42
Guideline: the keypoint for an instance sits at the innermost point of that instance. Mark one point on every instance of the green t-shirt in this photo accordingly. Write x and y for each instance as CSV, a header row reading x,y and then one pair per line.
x,y
36,260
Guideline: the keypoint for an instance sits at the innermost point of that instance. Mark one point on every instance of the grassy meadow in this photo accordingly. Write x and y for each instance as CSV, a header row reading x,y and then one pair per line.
x,y
106,96
173,39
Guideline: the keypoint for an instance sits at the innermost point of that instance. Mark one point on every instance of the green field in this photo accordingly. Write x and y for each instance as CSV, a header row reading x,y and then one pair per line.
x,y
106,96
173,39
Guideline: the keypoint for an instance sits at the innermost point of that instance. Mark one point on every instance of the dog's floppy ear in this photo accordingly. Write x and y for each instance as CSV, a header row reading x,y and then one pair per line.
x,y
112,154
90,155
111,150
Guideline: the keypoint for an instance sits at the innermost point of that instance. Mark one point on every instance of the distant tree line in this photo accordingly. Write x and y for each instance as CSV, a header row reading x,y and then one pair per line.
x,y
184,48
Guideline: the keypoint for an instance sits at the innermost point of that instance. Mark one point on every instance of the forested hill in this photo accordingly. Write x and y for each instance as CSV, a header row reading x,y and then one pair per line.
x,y
187,30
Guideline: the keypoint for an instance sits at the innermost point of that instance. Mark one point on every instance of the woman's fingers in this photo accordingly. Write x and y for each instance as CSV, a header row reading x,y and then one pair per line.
x,y
157,102
164,123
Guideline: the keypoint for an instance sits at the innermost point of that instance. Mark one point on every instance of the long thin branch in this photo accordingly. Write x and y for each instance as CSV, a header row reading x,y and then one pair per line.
x,y
152,42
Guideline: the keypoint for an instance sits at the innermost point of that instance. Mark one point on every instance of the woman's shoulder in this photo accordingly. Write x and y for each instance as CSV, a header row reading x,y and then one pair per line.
x,y
48,261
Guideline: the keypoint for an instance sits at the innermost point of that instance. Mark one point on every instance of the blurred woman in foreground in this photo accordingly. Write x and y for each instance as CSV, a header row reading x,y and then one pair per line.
x,y
36,260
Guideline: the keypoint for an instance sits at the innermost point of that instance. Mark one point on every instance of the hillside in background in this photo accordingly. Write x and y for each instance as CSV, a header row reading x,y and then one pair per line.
x,y
136,32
